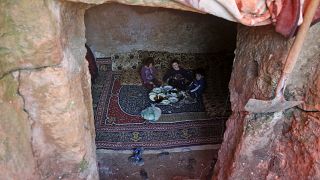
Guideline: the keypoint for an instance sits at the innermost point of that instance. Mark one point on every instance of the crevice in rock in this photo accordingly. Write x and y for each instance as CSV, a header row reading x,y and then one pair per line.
x,y
305,110
27,69
31,121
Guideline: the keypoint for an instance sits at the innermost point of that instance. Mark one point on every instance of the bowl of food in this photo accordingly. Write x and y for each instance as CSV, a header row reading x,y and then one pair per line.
x,y
173,94
158,98
173,99
167,88
157,90
165,102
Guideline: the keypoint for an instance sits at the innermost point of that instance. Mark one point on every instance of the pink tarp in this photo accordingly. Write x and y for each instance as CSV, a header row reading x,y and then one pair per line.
x,y
285,15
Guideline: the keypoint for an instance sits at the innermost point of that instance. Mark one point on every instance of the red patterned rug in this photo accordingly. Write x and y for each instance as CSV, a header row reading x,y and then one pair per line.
x,y
118,129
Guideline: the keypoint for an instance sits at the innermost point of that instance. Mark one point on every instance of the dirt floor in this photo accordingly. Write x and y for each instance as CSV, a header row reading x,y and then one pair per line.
x,y
163,165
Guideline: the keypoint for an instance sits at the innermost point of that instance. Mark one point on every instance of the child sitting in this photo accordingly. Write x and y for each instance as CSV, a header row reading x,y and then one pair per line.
x,y
198,84
148,74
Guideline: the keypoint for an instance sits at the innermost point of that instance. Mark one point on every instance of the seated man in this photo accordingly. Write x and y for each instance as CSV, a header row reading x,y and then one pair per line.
x,y
177,76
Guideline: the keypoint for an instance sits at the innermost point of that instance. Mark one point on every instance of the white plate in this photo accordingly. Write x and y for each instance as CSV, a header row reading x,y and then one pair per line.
x,y
152,93
173,99
173,95
152,96
157,90
165,102
167,88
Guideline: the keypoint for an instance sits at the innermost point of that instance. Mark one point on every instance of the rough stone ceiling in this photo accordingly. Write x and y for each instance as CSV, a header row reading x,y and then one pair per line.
x,y
286,15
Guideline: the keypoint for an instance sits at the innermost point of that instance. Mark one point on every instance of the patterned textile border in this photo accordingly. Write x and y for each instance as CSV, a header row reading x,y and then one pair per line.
x,y
187,116
145,134
159,136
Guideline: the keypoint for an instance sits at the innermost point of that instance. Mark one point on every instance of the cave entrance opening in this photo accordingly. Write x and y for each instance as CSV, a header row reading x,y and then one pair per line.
x,y
120,37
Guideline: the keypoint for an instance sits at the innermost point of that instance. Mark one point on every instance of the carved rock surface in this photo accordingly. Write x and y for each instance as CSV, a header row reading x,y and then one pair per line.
x,y
16,154
25,38
150,29
46,112
282,145
62,141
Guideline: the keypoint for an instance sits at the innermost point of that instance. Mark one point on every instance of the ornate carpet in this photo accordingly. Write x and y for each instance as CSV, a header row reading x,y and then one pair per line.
x,y
119,124
134,98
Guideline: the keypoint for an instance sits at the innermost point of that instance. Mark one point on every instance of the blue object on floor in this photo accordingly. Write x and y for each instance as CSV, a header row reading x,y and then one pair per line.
x,y
136,158
151,114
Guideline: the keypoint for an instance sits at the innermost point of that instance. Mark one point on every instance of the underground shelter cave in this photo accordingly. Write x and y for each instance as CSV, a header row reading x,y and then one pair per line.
x,y
177,89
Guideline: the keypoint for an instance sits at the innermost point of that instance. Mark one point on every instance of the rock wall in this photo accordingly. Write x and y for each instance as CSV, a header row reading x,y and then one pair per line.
x,y
282,145
115,28
47,129
16,153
